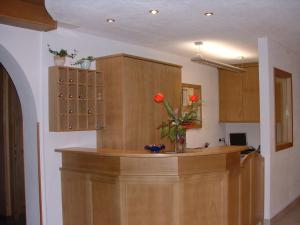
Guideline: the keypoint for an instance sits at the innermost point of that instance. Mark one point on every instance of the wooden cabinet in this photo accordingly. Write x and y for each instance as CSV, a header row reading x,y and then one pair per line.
x,y
132,116
76,100
239,95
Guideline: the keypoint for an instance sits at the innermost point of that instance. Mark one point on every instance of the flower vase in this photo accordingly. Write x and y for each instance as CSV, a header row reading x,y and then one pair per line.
x,y
180,143
59,61
85,64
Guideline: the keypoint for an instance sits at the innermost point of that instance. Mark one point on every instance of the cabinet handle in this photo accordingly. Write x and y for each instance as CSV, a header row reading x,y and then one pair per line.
x,y
70,111
70,96
70,126
60,95
71,80
89,111
61,80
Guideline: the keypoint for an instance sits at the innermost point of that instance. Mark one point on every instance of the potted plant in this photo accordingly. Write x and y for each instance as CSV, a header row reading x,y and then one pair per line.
x,y
175,127
60,56
85,63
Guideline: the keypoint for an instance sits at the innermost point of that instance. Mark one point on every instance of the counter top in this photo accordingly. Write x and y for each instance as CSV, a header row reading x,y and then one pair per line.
x,y
147,154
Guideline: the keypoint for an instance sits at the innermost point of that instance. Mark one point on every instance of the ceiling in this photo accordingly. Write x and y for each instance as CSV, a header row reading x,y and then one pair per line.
x,y
232,31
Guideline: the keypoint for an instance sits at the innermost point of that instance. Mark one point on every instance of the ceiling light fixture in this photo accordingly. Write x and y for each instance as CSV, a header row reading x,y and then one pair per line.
x,y
153,11
200,59
110,20
208,14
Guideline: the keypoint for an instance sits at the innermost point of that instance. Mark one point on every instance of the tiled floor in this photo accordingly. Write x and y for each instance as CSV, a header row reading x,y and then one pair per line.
x,y
291,218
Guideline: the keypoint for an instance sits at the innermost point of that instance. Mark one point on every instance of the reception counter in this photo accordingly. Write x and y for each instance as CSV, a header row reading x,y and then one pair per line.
x,y
211,186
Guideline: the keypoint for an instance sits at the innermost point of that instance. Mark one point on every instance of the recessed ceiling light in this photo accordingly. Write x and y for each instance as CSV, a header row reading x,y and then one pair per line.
x,y
208,14
153,11
110,20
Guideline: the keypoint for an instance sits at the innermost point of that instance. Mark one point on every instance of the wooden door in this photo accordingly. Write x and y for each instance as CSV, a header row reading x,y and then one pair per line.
x,y
12,192
230,96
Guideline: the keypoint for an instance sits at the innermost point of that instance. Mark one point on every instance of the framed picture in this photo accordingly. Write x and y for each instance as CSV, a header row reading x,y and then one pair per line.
x,y
188,90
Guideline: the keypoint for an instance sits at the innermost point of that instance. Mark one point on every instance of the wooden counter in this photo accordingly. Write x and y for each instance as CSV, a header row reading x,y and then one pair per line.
x,y
200,187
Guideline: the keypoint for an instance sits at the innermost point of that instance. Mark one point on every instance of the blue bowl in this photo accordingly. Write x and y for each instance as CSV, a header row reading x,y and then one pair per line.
x,y
154,148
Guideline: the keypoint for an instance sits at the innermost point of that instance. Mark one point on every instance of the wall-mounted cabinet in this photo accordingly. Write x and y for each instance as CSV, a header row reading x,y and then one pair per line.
x,y
239,95
76,100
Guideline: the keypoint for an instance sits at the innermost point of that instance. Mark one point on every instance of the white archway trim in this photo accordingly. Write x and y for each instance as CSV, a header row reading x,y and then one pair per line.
x,y
29,134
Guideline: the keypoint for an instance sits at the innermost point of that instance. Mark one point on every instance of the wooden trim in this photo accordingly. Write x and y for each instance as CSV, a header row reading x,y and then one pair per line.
x,y
285,211
39,172
138,57
283,74
26,14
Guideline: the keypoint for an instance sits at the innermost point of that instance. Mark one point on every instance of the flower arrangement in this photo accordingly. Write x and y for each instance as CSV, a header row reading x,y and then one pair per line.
x,y
62,52
175,127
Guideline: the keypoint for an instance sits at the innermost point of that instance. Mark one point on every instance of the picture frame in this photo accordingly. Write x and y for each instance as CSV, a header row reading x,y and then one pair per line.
x,y
188,90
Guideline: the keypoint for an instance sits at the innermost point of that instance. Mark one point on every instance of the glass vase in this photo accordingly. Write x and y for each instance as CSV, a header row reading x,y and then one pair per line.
x,y
180,143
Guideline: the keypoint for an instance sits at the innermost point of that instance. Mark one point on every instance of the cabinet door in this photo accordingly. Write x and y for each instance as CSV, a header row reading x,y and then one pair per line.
x,y
230,96
251,95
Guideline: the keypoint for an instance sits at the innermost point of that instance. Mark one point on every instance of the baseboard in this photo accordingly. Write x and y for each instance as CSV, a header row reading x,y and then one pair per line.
x,y
282,213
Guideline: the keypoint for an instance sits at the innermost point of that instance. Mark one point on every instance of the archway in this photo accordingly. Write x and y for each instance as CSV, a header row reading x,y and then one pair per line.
x,y
30,135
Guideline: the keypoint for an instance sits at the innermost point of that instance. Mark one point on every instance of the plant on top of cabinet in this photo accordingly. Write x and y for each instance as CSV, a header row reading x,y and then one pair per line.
x,y
60,56
85,63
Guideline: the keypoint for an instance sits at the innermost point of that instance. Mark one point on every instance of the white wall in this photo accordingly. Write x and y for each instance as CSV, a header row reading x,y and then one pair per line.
x,y
92,45
282,178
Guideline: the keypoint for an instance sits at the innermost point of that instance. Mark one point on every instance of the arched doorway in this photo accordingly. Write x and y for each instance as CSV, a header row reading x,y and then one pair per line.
x,y
31,161
12,189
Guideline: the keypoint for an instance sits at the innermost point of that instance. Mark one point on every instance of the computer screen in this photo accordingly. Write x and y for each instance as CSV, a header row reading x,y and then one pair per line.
x,y
238,139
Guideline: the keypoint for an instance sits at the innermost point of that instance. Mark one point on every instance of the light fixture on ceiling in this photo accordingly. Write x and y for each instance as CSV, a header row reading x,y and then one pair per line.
x,y
200,59
110,20
208,14
153,11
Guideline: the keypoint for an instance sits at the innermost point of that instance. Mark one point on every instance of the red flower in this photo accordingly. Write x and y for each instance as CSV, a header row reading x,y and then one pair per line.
x,y
159,97
194,98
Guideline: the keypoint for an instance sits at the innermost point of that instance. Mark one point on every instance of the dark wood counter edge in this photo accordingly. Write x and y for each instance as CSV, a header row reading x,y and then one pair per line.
x,y
148,154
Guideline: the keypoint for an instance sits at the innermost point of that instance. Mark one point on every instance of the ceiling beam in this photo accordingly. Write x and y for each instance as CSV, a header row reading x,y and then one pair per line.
x,y
31,14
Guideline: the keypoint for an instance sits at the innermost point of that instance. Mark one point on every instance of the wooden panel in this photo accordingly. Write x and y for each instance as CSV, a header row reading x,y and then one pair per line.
x,y
252,190
78,162
27,14
230,96
149,166
204,200
75,199
105,199
251,94
150,203
112,135
139,83
200,164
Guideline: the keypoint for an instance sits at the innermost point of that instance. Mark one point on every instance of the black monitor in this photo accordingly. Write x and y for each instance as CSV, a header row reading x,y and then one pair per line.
x,y
238,139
